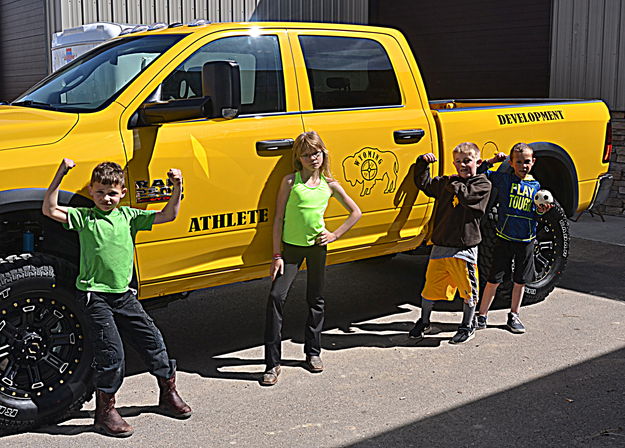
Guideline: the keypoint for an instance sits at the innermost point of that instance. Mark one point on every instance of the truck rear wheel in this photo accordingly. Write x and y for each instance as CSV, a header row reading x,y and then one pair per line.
x,y
45,353
551,252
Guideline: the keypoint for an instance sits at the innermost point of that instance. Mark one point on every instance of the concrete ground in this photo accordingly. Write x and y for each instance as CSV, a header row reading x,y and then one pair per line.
x,y
610,231
562,384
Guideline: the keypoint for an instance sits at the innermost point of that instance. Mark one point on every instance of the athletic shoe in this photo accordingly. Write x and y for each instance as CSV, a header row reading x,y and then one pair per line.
x,y
419,329
464,334
514,324
481,322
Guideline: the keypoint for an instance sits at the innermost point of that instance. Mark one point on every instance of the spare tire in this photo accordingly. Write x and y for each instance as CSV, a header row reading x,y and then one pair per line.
x,y
551,252
45,350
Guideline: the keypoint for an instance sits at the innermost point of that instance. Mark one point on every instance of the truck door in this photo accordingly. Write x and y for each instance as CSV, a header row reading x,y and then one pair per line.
x,y
358,93
232,167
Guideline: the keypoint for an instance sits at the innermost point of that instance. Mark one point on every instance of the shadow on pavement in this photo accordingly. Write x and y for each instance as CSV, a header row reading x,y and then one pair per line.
x,y
220,321
399,338
584,403
595,268
581,406
72,430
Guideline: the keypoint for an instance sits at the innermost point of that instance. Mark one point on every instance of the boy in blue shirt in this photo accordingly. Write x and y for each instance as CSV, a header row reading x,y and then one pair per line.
x,y
516,231
106,235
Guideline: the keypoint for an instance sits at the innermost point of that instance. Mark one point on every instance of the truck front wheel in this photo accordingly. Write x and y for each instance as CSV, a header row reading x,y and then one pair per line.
x,y
551,252
45,353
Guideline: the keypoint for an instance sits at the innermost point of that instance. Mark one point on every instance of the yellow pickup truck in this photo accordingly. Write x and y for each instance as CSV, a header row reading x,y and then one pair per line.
x,y
223,102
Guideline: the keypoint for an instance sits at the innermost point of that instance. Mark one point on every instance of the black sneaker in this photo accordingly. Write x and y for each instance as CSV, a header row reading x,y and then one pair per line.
x,y
482,322
419,329
464,334
514,324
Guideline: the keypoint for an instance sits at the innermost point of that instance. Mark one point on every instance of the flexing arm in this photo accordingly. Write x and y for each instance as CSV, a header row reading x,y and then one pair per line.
x,y
422,179
277,263
486,164
354,215
51,207
170,211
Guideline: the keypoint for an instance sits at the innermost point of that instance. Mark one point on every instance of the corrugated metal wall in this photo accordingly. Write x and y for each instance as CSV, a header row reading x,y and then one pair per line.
x,y
588,50
78,12
588,61
344,11
23,33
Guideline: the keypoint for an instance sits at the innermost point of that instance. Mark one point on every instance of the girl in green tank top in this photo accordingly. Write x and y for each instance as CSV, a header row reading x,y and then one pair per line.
x,y
299,234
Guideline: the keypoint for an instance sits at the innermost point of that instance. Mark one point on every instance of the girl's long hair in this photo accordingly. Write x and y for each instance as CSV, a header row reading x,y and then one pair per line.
x,y
310,141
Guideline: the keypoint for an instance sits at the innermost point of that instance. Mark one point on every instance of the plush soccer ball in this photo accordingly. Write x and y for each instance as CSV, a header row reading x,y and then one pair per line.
x,y
543,197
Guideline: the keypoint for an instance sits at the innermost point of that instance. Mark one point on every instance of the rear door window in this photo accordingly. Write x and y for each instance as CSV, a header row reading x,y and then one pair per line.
x,y
347,72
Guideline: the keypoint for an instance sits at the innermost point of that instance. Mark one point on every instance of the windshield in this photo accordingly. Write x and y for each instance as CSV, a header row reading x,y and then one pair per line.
x,y
94,80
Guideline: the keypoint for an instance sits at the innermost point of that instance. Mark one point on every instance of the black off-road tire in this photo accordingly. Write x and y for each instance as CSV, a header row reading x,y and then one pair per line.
x,y
551,252
45,350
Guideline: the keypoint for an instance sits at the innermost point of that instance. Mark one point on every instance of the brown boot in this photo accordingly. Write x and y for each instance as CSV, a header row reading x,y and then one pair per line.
x,y
107,419
169,401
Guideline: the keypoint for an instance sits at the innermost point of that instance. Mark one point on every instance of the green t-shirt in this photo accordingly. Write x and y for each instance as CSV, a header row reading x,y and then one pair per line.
x,y
303,216
107,245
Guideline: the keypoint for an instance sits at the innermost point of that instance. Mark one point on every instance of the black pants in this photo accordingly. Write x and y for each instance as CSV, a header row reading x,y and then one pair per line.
x,y
293,257
112,316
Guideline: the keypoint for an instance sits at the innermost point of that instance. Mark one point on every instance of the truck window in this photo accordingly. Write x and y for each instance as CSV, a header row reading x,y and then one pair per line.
x,y
345,72
95,79
262,79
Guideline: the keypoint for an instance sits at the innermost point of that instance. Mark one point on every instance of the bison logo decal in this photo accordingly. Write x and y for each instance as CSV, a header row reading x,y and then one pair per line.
x,y
370,165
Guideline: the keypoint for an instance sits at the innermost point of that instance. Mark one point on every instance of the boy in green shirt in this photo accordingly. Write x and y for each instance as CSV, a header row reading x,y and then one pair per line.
x,y
106,234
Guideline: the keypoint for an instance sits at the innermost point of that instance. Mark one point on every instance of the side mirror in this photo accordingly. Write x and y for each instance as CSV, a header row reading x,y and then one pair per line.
x,y
221,81
153,114
221,90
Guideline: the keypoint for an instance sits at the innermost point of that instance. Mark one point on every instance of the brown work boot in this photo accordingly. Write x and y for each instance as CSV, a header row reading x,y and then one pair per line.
x,y
270,377
107,419
314,364
169,401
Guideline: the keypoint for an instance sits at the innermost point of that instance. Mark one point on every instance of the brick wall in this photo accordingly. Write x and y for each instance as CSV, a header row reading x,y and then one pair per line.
x,y
615,204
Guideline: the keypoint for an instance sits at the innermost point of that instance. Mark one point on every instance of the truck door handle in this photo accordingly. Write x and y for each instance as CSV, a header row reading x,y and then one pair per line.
x,y
406,136
274,145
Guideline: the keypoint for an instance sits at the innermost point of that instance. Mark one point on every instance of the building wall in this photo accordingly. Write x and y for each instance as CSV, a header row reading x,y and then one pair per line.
x,y
615,205
588,61
588,50
344,11
23,36
78,12
477,48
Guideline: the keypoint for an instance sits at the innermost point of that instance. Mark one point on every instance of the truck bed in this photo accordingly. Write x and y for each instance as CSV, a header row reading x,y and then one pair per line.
x,y
557,128
494,102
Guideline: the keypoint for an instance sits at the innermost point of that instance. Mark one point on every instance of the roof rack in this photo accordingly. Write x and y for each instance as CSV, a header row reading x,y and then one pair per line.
x,y
162,25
